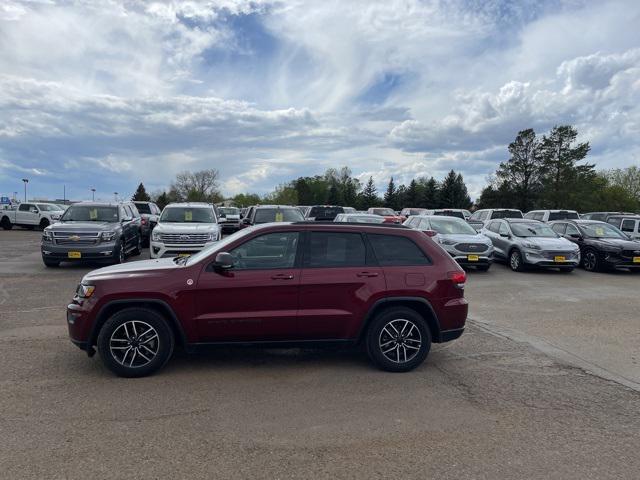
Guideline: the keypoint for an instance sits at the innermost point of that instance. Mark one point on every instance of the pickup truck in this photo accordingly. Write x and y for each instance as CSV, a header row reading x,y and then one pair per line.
x,y
31,215
480,217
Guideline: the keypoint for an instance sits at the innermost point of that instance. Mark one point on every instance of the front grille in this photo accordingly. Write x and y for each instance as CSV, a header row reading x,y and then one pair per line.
x,y
184,238
551,255
76,238
472,247
630,253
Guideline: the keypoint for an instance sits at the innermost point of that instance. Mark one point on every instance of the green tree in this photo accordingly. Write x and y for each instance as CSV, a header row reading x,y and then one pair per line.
x,y
141,194
522,172
411,197
561,173
201,186
369,196
627,179
453,192
429,196
246,199
391,195
284,194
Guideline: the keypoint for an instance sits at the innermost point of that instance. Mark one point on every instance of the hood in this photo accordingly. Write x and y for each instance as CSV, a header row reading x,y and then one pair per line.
x,y
617,243
549,243
132,268
186,227
83,226
464,238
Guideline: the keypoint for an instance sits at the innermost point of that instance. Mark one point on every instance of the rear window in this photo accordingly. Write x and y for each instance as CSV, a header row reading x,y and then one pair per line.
x,y
563,216
335,249
449,213
506,214
324,213
267,215
143,207
392,250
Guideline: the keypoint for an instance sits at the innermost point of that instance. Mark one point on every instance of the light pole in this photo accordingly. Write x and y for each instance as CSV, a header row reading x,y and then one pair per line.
x,y
93,194
115,194
25,180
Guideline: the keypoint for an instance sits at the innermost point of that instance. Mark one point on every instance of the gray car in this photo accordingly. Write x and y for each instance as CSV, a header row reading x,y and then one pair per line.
x,y
458,238
523,243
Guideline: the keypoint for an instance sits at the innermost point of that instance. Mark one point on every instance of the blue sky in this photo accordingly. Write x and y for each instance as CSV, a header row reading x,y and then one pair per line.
x,y
107,94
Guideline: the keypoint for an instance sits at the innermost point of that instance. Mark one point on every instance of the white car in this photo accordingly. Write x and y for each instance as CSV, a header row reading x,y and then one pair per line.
x,y
183,229
31,215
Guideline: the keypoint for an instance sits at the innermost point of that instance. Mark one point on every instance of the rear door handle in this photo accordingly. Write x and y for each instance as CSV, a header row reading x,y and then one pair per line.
x,y
367,274
282,276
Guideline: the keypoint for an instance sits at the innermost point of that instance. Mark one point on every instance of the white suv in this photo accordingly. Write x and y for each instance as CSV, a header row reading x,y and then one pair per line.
x,y
183,229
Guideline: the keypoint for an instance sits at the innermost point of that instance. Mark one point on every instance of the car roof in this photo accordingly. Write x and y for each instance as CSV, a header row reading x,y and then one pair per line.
x,y
517,220
189,204
96,204
553,211
579,221
275,206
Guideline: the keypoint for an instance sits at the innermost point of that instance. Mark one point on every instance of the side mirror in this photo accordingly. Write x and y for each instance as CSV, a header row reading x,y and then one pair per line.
x,y
34,210
430,233
126,219
224,261
505,235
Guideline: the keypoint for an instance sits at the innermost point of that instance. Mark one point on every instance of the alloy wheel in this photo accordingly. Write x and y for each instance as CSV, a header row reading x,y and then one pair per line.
x,y
514,261
400,340
134,344
590,261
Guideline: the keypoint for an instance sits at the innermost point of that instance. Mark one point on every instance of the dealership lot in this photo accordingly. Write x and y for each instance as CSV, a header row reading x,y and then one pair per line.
x,y
491,404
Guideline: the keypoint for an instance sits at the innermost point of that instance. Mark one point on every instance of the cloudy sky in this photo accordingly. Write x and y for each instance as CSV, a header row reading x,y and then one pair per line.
x,y
108,93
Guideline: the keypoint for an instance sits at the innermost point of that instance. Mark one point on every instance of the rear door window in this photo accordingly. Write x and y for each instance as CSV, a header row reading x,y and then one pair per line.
x,y
628,226
393,250
335,249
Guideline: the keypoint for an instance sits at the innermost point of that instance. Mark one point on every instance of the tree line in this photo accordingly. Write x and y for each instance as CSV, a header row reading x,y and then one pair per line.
x,y
540,173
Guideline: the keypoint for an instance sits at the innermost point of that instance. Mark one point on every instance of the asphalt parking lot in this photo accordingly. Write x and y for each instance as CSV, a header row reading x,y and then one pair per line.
x,y
542,385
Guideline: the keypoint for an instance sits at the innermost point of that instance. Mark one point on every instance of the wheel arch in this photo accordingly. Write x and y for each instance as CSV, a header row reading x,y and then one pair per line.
x,y
159,306
418,304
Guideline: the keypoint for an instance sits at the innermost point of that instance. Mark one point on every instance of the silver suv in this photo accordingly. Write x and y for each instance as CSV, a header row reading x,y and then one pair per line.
x,y
458,238
524,242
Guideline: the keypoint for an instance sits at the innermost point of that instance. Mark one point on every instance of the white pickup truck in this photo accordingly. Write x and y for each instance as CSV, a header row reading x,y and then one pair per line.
x,y
31,215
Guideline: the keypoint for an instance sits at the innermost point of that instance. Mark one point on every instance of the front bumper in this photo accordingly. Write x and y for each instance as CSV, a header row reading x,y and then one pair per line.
x,y
615,260
541,258
229,226
159,249
88,253
470,258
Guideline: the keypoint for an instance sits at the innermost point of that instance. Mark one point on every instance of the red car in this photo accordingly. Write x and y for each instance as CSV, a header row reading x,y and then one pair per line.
x,y
283,284
389,215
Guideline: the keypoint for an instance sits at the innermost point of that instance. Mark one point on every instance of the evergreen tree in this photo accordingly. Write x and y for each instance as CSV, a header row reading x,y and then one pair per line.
x,y
453,192
369,196
430,193
560,170
141,194
401,198
411,197
390,196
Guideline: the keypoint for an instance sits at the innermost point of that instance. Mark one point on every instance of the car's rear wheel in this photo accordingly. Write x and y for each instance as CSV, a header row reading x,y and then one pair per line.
x,y
6,224
515,261
591,261
135,342
398,340
44,223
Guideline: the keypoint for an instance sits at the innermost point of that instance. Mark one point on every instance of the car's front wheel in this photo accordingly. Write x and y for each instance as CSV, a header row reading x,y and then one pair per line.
x,y
591,261
398,340
135,342
138,249
515,261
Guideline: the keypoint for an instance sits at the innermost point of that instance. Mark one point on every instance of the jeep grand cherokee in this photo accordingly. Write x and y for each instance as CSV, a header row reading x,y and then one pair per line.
x,y
389,287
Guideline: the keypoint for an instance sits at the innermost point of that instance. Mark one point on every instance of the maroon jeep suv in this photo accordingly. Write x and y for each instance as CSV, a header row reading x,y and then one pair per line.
x,y
279,284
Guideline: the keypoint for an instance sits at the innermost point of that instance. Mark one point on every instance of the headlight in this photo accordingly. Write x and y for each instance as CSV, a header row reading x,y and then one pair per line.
x,y
46,236
106,236
444,241
85,291
531,246
155,236
213,237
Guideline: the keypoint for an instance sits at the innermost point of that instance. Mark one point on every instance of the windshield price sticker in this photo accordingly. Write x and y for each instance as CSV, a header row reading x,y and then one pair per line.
x,y
188,216
600,231
279,217
93,214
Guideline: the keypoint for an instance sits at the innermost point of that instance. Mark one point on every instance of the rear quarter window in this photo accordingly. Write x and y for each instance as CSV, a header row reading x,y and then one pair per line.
x,y
394,250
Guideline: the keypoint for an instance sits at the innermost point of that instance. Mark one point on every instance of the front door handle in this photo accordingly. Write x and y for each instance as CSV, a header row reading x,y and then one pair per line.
x,y
367,274
282,276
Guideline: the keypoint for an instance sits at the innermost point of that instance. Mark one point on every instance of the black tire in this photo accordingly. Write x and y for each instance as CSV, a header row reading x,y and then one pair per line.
x,y
44,223
147,353
6,223
591,261
138,250
119,255
515,261
50,263
414,334
483,268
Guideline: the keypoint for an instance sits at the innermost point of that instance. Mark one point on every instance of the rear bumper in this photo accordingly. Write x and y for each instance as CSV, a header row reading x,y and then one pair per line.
x,y
449,335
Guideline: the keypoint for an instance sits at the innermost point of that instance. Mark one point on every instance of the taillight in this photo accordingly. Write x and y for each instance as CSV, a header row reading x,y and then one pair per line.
x,y
458,278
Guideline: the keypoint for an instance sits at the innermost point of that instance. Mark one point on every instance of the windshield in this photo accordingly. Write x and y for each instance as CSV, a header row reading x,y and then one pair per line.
x,y
326,213
143,207
532,230
89,213
451,226
48,208
267,215
224,211
187,215
602,230
449,213
383,211
218,246
364,218
563,216
506,214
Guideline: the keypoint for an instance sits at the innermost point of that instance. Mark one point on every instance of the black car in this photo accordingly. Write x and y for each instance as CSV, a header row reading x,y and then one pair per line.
x,y
323,213
602,246
258,214
93,232
149,215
